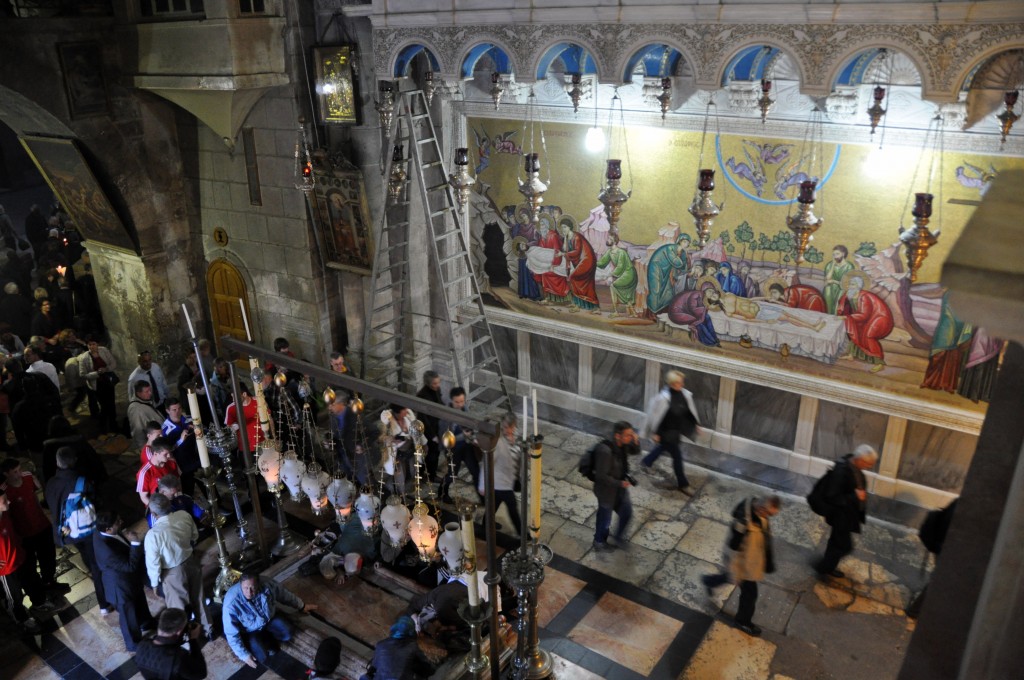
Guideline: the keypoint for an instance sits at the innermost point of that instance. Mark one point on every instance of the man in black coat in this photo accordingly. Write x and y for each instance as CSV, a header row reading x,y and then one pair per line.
x,y
846,498
63,483
399,655
611,484
162,656
431,391
121,559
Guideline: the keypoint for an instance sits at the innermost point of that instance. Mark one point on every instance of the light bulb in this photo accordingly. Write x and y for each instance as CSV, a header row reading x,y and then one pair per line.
x,y
595,139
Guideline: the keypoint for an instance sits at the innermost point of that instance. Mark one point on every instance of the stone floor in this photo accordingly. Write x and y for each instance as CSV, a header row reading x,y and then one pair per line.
x,y
633,613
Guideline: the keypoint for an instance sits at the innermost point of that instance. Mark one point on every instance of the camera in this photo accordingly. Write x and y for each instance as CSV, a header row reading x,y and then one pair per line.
x,y
631,479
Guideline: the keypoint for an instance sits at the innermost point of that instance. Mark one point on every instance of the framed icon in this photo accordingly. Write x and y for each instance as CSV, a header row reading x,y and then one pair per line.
x,y
86,89
335,89
338,204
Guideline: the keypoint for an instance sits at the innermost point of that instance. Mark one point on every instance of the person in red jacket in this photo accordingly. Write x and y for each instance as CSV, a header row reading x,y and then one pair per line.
x,y
17,574
800,296
868,320
31,522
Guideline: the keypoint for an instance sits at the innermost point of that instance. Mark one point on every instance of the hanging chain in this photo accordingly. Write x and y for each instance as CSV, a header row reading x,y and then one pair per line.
x,y
917,169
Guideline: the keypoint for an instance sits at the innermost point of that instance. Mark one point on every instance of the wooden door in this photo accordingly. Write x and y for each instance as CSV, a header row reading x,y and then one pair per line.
x,y
225,287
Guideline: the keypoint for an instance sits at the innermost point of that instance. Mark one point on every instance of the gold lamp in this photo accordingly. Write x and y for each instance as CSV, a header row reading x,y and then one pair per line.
x,y
576,91
396,181
1008,117
385,106
496,89
918,239
703,208
765,103
805,222
612,196
461,181
665,98
876,110
532,188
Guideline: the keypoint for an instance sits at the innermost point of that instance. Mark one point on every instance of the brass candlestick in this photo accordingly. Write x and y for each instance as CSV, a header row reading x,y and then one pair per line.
x,y
476,662
227,576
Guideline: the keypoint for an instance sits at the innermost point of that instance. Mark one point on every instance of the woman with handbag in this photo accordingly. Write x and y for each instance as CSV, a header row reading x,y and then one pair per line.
x,y
97,367
749,556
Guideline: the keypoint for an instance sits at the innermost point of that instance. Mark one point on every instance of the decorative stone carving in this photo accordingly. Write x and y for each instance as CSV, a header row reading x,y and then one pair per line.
x,y
743,95
843,104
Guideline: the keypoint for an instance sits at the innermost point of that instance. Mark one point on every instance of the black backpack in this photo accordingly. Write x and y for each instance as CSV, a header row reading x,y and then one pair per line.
x,y
817,499
933,529
327,658
586,466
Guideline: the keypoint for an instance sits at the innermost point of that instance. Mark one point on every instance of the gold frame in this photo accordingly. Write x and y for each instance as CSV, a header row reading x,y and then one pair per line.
x,y
65,169
335,87
338,206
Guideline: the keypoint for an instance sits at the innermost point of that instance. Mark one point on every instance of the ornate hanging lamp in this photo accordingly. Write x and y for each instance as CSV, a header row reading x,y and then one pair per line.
x,y
665,98
703,208
423,531
612,196
461,181
765,103
496,89
395,519
385,106
396,180
805,222
533,188
303,160
341,493
314,484
428,87
576,92
876,110
1008,117
918,239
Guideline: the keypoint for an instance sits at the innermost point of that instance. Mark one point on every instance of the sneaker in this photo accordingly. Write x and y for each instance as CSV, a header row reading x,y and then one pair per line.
x,y
45,609
104,611
602,547
707,587
751,629
58,587
31,626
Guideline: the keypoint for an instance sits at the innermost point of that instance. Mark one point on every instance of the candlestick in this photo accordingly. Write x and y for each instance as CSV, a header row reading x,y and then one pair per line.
x,y
526,419
188,320
535,413
193,407
535,471
245,320
469,556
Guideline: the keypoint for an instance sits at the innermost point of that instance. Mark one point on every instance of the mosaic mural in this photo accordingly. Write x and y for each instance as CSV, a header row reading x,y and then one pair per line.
x,y
848,311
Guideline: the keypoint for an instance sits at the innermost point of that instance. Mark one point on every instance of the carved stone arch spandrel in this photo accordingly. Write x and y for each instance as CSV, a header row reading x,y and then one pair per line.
x,y
755,40
444,61
842,58
983,57
538,55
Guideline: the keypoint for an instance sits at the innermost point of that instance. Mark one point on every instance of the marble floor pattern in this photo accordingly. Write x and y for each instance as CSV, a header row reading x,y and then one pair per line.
x,y
632,613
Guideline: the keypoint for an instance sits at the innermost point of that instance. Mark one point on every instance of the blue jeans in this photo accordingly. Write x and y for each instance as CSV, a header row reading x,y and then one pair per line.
x,y
624,508
674,450
264,641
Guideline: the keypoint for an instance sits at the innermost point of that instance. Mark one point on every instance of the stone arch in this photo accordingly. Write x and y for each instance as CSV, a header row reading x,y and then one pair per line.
x,y
470,53
404,53
986,87
546,57
981,59
844,58
759,41
632,52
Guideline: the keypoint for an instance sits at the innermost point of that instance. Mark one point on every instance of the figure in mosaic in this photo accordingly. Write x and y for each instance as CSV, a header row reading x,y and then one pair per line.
x,y
730,282
835,270
623,275
666,266
582,269
868,320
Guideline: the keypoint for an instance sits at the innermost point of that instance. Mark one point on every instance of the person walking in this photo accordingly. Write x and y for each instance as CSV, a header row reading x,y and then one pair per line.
x,y
671,416
506,470
171,561
120,557
611,485
749,556
845,500
464,451
252,626
18,574
97,367
66,481
31,523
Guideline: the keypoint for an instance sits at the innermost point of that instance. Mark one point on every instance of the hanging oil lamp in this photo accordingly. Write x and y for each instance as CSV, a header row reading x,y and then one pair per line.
x,y
665,98
461,181
804,223
428,87
576,92
1007,118
612,196
703,208
496,89
919,239
533,189
385,106
765,102
396,181
875,112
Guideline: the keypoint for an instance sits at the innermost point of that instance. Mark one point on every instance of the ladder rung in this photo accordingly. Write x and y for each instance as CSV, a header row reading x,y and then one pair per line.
x,y
447,234
420,116
432,164
454,282
395,225
456,305
426,140
389,322
442,211
468,323
396,246
441,186
383,307
478,343
451,258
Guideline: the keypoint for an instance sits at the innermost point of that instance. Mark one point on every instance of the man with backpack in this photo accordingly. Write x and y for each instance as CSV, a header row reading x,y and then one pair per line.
x,y
69,496
610,467
841,497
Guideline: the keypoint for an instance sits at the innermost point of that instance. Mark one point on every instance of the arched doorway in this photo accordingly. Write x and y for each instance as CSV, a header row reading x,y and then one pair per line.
x,y
225,287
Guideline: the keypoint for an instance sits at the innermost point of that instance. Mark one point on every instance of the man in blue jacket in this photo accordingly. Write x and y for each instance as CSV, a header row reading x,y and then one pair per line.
x,y
252,625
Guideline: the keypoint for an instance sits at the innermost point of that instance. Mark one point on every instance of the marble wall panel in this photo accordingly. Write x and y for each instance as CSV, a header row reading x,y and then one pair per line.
x,y
840,429
936,457
554,363
618,378
705,393
766,415
508,356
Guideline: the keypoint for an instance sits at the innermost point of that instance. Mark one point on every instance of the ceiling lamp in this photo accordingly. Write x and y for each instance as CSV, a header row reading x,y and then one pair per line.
x,y
461,181
703,208
268,462
292,470
368,509
423,532
341,493
533,188
576,92
303,160
1007,118
665,98
765,102
611,195
449,544
496,89
876,110
805,222
314,485
396,180
428,87
385,106
395,519
918,239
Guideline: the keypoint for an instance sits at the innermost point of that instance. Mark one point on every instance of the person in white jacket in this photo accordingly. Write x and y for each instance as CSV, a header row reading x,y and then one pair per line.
x,y
671,416
506,470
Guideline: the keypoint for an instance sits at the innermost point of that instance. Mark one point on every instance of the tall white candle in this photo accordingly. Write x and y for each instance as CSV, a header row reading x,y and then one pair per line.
x,y
535,413
469,549
193,407
526,419
245,320
188,320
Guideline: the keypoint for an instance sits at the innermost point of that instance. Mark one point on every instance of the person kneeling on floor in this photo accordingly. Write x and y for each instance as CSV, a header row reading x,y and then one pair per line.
x,y
252,625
